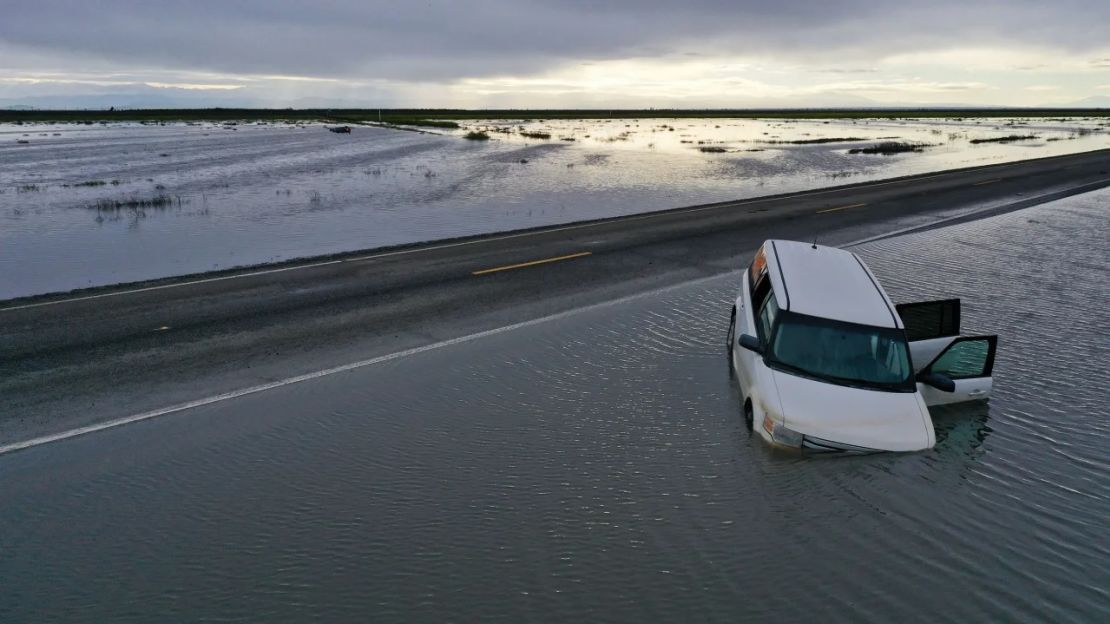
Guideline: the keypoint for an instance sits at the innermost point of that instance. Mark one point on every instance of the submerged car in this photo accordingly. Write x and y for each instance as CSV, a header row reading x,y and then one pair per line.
x,y
827,363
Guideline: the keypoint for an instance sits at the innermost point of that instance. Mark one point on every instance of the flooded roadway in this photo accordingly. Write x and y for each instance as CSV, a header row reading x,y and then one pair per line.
x,y
596,467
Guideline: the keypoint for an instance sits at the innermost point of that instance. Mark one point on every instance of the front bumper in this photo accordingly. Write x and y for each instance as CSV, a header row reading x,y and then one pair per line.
x,y
814,444
782,436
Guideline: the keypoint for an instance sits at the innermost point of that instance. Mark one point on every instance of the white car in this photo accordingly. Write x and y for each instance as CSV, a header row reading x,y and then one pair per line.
x,y
825,361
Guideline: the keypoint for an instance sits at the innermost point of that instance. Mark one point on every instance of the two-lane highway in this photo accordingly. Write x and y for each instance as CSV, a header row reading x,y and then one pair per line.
x,y
72,360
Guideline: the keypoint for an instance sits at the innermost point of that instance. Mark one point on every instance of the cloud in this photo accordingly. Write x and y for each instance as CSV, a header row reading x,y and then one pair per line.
x,y
702,82
999,59
439,39
442,52
847,70
189,86
24,80
901,86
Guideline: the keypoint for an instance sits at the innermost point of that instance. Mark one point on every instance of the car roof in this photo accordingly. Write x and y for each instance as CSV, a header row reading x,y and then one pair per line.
x,y
827,282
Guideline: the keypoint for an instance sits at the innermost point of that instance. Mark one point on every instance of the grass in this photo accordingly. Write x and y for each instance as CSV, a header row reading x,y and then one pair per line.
x,y
890,147
1005,139
429,123
137,203
447,118
817,141
712,149
93,183
361,117
28,188
535,135
476,136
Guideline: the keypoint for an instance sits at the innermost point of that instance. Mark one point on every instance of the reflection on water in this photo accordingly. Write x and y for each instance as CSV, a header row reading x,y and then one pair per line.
x,y
961,427
596,468
91,205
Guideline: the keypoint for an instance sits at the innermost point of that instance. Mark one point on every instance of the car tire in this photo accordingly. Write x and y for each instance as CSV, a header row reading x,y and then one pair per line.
x,y
731,336
749,417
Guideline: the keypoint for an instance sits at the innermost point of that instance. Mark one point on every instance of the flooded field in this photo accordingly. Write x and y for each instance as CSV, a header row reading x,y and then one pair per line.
x,y
597,468
87,205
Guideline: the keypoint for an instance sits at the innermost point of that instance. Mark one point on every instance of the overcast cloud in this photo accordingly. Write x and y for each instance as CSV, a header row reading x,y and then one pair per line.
x,y
557,53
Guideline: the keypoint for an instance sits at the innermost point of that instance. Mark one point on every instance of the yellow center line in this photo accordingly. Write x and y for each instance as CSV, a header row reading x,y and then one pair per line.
x,y
532,263
987,182
841,208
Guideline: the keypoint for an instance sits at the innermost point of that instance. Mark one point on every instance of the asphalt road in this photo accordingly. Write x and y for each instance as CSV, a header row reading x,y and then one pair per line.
x,y
69,361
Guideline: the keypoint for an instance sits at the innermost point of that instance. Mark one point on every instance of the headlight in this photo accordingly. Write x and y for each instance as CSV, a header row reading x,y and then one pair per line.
x,y
787,437
781,434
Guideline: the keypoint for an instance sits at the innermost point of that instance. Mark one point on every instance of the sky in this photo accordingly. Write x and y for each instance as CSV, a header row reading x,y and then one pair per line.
x,y
554,54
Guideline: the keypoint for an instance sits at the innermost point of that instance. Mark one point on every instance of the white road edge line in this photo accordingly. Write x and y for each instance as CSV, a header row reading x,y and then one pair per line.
x,y
72,433
652,215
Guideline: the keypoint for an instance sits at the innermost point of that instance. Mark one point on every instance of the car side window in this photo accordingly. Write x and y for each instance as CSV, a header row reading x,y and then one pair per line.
x,y
759,294
767,316
758,269
964,360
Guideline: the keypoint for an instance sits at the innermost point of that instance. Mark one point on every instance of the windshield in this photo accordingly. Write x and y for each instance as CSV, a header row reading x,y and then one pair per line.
x,y
845,353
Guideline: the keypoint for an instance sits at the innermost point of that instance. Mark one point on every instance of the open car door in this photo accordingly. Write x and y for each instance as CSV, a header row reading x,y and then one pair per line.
x,y
930,327
968,361
933,331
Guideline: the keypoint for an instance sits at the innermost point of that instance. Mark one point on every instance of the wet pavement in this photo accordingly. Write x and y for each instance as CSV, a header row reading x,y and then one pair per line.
x,y
596,467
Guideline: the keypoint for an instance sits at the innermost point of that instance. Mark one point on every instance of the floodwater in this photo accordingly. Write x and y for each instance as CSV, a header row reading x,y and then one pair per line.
x,y
89,205
596,468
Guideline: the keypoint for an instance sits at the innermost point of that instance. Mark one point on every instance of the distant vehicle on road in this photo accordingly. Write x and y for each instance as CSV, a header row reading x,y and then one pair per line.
x,y
827,363
341,129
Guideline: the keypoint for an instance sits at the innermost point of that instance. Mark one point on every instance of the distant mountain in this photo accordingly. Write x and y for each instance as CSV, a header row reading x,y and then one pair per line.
x,y
1095,101
827,100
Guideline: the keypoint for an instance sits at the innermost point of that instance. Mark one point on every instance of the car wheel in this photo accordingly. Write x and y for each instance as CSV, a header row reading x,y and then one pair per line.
x,y
731,335
749,417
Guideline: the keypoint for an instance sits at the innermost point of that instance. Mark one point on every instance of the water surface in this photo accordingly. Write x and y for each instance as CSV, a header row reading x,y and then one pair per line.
x,y
596,468
93,205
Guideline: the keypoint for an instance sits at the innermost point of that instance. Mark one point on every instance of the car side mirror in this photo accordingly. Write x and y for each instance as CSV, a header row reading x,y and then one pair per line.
x,y
751,343
939,381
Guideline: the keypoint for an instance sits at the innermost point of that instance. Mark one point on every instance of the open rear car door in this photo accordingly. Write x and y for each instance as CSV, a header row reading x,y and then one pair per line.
x,y
936,346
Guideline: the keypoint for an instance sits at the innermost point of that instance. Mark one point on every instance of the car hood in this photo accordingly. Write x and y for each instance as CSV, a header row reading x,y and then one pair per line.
x,y
885,421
